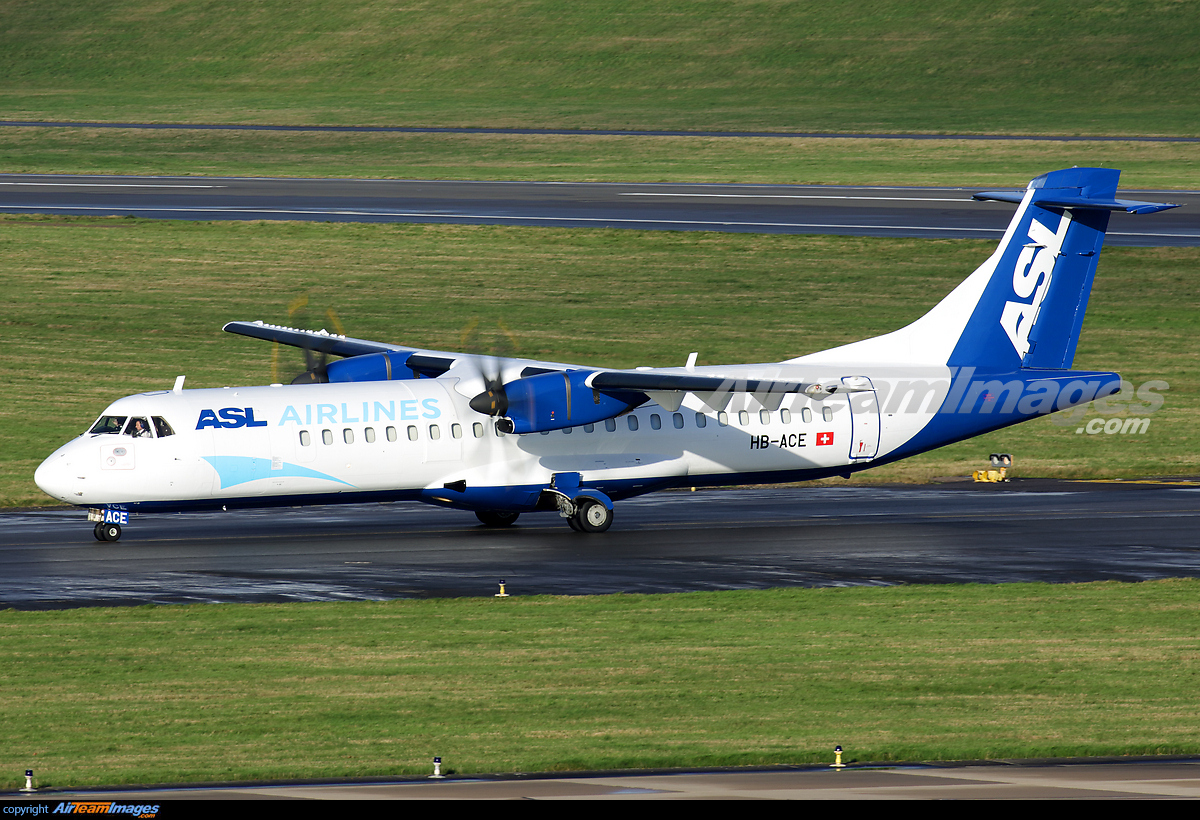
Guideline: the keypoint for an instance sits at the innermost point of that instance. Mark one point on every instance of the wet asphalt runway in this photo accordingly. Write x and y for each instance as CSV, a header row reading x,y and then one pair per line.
x,y
752,538
791,209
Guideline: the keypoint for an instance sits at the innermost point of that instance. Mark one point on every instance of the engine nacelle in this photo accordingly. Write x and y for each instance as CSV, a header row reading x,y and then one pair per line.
x,y
552,401
373,367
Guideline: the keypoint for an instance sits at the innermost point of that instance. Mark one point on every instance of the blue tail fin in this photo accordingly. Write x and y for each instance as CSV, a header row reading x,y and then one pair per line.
x,y
1024,306
1031,311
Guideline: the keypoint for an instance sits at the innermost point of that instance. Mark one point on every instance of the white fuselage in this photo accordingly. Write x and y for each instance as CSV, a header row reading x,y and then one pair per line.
x,y
323,443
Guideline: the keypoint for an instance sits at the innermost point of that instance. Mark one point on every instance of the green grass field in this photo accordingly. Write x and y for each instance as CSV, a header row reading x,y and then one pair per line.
x,y
981,164
98,308
200,693
945,66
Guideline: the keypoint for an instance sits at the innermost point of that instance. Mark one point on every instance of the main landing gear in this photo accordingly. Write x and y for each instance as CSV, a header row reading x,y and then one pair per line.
x,y
107,532
586,516
497,518
590,516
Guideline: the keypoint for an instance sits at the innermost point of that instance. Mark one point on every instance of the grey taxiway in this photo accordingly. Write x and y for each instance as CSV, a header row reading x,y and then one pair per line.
x,y
795,209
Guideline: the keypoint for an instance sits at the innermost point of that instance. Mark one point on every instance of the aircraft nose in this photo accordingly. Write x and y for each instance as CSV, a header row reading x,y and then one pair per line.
x,y
53,476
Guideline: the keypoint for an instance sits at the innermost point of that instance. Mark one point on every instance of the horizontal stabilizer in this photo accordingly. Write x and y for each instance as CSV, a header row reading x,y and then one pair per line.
x,y
1132,206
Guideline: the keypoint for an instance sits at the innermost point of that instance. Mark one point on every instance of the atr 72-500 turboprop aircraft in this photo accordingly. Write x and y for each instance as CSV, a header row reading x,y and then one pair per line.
x,y
501,437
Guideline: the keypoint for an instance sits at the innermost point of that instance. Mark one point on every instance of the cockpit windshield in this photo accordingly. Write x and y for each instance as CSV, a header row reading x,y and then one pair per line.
x,y
108,424
136,426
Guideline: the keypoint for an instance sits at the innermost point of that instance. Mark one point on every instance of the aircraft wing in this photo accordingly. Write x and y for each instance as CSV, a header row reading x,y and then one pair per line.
x,y
667,387
535,395
320,341
421,362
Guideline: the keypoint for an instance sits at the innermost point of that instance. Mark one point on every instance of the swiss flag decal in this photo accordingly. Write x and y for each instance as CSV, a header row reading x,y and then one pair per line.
x,y
824,438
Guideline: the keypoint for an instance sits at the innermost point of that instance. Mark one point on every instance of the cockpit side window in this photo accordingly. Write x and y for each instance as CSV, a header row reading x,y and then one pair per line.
x,y
138,428
108,424
162,428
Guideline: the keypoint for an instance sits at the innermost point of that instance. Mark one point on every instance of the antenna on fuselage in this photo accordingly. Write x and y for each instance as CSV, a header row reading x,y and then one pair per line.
x,y
178,388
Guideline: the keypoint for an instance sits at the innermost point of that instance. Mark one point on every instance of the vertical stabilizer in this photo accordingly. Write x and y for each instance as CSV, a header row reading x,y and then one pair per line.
x,y
1024,306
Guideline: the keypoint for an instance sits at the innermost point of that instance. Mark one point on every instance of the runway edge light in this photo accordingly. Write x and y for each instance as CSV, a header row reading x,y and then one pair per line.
x,y
837,763
501,593
437,770
29,781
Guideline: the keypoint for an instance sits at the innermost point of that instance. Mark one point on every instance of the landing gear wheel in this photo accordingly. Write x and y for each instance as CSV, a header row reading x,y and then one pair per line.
x,y
496,518
593,517
573,522
107,532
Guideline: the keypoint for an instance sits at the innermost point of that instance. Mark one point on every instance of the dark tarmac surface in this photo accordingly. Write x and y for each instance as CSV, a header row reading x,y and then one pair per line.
x,y
791,209
995,780
1031,530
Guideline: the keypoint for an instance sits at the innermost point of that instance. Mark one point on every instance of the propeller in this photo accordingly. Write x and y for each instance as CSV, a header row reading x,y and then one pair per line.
x,y
315,358
489,367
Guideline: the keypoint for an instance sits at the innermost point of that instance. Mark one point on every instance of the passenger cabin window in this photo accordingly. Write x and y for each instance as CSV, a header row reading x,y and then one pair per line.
x,y
412,433
723,419
435,432
827,413
743,418
655,422
677,420
806,415
785,416
348,436
701,420
633,423
369,435
477,430
764,416
456,430
391,434
327,436
610,425
162,428
587,428
108,424
305,439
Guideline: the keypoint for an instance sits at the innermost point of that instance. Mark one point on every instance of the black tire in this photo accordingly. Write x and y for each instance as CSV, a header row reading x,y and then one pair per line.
x,y
573,522
97,532
110,532
593,517
497,518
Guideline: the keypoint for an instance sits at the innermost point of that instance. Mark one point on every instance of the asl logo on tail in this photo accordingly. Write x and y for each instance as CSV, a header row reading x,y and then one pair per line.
x,y
1031,277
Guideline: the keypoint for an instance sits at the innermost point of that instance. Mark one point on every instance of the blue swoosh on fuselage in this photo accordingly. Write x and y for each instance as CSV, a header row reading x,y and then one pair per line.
x,y
234,470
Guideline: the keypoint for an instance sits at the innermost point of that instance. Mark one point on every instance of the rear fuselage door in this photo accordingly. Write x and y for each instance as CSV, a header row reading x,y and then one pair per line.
x,y
864,412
